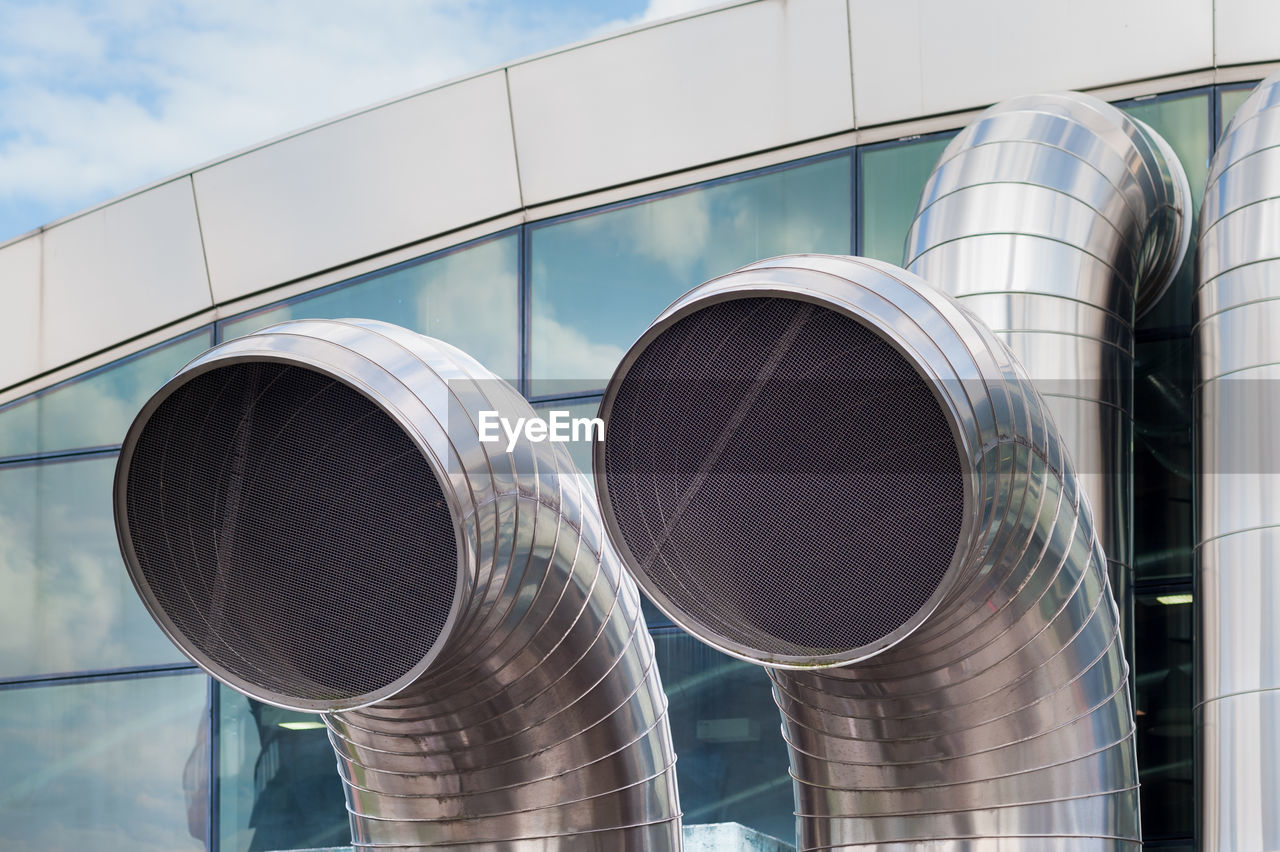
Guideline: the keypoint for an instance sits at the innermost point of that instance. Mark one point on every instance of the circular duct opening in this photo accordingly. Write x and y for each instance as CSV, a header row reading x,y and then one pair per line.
x,y
784,482
287,533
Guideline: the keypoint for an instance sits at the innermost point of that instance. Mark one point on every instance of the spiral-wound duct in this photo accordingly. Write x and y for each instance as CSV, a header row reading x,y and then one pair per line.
x,y
824,466
310,515
1237,406
1056,219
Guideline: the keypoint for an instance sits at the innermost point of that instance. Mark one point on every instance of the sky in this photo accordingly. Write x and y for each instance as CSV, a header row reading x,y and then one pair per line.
x,y
100,98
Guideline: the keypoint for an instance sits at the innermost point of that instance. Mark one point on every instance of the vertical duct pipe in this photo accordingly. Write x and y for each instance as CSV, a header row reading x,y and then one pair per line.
x,y
1057,220
823,466
1237,407
309,513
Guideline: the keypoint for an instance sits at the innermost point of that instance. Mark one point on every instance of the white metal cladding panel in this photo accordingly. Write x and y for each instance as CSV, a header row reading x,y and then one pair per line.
x,y
390,176
692,91
1246,31
121,270
19,309
932,56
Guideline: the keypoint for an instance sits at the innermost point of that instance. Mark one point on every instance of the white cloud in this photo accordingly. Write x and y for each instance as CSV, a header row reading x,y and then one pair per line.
x,y
655,10
575,360
658,9
674,232
96,99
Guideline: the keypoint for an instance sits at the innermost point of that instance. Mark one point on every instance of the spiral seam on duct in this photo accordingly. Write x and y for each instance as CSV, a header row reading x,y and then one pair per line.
x,y
1057,219
538,719
1238,507
1002,720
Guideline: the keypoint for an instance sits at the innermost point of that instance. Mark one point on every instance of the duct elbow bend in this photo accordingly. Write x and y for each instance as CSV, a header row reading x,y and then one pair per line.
x,y
1057,195
823,466
1058,219
310,513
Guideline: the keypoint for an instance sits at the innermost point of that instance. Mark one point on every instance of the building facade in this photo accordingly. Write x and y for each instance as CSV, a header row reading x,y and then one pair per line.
x,y
538,216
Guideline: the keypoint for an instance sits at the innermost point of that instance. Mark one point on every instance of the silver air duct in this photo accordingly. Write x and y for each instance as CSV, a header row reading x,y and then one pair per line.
x,y
1238,482
310,515
1057,219
823,466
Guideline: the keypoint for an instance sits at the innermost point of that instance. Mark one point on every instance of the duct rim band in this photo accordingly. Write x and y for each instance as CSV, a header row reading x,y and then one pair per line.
x,y
212,361
694,619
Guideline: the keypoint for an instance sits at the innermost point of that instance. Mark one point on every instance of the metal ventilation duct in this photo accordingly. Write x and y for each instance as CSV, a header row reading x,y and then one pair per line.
x,y
310,515
1057,219
823,466
1237,404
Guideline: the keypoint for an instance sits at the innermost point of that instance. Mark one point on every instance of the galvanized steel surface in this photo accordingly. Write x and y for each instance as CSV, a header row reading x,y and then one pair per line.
x,y
999,717
1237,405
1056,219
537,721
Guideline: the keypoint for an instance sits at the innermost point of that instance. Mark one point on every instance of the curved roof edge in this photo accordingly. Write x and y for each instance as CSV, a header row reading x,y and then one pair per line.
x,y
665,97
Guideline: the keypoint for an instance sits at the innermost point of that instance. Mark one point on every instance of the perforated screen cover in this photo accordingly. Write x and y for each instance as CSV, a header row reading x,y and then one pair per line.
x,y
291,531
783,476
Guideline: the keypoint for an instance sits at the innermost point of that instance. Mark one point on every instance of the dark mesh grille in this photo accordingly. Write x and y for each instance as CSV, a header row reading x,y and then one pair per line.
x,y
783,476
291,531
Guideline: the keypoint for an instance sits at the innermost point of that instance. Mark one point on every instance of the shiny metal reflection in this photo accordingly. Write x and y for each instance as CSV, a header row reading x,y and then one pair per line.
x,y
1000,719
1237,404
537,721
1057,219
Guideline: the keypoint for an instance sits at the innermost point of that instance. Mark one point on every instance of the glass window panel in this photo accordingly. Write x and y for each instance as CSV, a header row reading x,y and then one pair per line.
x,y
579,450
1183,120
1163,368
1162,461
1184,123
68,604
598,280
733,765
111,766
1231,100
466,297
95,410
893,176
279,786
1164,712
19,428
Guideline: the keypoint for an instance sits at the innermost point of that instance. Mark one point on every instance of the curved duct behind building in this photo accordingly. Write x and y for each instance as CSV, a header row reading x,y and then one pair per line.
x,y
1056,219
823,466
310,515
1237,405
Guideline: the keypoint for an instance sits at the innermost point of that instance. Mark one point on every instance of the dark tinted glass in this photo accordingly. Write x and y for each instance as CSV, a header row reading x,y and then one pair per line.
x,y
279,779
1166,741
732,763
1163,526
